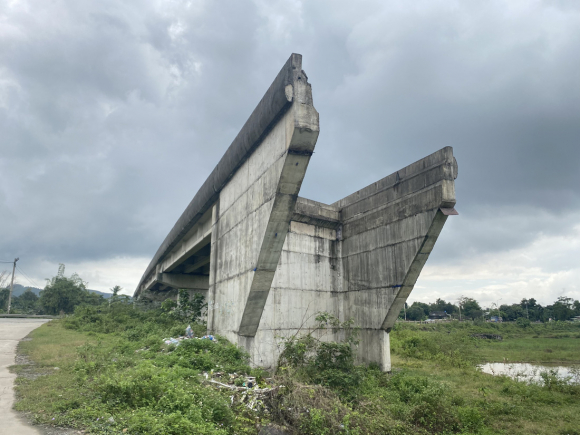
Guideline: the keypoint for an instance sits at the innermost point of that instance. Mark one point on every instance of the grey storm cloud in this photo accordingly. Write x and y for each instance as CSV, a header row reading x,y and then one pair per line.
x,y
113,114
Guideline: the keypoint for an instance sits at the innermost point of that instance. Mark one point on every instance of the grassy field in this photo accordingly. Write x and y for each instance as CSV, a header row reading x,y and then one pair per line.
x,y
510,407
109,373
538,343
529,349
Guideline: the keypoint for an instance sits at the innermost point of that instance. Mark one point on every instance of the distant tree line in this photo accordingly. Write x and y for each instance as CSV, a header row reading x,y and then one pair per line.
x,y
564,308
61,295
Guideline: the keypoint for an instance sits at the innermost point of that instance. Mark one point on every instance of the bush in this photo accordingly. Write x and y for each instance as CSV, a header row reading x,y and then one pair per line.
x,y
322,362
147,386
523,322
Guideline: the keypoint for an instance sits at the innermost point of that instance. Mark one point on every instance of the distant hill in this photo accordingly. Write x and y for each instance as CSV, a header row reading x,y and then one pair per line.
x,y
19,289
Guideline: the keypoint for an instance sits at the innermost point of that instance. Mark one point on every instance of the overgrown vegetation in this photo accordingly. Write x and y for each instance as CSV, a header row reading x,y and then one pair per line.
x,y
124,379
117,376
311,358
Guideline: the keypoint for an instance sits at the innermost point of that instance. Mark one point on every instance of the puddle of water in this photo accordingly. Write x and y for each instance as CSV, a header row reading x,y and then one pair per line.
x,y
532,373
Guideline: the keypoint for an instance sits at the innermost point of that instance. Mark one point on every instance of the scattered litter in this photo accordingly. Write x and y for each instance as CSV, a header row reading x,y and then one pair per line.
x,y
111,420
171,341
188,335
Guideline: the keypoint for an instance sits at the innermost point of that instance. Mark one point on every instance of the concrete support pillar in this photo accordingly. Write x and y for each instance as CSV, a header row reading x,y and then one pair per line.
x,y
385,351
211,294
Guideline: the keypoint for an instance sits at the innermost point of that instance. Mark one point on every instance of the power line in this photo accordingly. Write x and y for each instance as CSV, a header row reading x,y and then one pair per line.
x,y
30,280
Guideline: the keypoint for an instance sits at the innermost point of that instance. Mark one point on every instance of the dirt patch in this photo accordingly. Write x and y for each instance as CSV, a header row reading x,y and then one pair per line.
x,y
25,368
58,431
49,430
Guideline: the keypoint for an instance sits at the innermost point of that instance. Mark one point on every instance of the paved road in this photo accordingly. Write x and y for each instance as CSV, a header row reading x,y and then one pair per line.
x,y
11,331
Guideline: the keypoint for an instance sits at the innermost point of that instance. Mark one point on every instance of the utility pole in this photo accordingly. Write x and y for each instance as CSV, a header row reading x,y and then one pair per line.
x,y
12,285
527,311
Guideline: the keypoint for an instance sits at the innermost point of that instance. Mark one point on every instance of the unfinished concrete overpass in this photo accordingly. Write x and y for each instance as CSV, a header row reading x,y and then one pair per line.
x,y
267,259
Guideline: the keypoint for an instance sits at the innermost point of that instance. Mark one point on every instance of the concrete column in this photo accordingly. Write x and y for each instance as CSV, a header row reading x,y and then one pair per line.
x,y
211,294
385,346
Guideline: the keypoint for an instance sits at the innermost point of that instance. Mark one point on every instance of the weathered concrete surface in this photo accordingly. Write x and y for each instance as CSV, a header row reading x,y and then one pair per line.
x,y
359,258
389,230
269,260
277,100
11,332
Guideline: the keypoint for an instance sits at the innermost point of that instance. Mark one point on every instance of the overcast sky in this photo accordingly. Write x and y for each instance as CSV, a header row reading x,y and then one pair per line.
x,y
112,114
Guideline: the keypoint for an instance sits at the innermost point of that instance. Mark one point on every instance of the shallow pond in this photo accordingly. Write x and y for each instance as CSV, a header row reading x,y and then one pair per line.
x,y
533,373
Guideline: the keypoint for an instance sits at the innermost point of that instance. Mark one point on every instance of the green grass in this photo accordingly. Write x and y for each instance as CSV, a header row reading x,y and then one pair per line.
x,y
448,353
112,365
541,343
125,381
529,349
508,407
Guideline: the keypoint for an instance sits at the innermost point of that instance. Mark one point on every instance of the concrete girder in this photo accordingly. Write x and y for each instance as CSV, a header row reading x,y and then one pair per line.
x,y
316,213
188,248
183,281
158,296
303,135
202,261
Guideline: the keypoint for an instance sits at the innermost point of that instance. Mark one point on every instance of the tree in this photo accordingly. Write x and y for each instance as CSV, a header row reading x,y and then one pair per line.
x,y
470,308
417,311
441,305
512,312
63,293
4,298
27,302
117,298
563,308
4,291
116,290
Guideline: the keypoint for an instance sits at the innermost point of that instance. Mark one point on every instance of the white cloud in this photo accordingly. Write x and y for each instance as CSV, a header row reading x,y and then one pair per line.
x,y
543,269
100,275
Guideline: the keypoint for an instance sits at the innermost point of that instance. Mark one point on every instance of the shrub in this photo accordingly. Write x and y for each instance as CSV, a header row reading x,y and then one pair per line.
x,y
523,322
323,362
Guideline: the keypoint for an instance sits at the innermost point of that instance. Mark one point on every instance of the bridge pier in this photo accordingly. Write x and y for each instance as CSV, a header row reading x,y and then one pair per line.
x,y
269,260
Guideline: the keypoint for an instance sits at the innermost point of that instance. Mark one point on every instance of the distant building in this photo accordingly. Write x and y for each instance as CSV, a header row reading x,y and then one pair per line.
x,y
437,315
496,319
